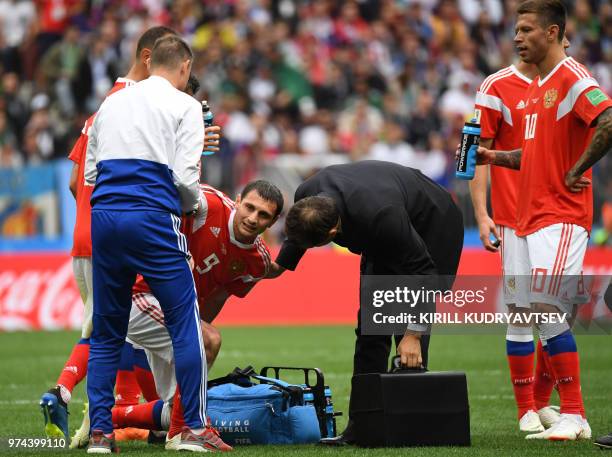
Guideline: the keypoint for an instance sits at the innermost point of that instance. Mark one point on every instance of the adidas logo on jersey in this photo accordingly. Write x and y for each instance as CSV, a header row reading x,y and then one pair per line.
x,y
520,105
215,231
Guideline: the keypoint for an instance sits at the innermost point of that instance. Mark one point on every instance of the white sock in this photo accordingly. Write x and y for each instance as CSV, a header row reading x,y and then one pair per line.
x,y
165,416
65,394
197,431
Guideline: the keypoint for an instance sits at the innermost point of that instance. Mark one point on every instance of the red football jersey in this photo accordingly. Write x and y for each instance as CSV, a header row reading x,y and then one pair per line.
x,y
557,128
81,241
501,101
220,260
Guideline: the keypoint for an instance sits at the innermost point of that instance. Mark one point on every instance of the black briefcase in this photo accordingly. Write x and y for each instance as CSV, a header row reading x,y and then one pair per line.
x,y
410,408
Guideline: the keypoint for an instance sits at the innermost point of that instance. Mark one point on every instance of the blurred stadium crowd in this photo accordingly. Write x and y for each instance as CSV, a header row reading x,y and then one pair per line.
x,y
296,84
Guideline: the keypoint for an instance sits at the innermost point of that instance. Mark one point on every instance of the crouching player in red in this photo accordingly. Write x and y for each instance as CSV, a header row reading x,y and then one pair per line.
x,y
229,258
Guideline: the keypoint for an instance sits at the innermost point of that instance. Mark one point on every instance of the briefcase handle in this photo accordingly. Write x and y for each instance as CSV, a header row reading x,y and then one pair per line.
x,y
396,367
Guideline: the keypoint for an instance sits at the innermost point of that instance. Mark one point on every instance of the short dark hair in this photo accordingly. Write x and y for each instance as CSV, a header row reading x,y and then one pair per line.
x,y
549,12
193,85
170,51
310,220
267,191
147,40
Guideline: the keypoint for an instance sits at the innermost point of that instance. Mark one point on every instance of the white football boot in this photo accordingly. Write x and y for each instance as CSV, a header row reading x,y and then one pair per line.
x,y
530,422
570,427
586,434
80,439
549,416
172,444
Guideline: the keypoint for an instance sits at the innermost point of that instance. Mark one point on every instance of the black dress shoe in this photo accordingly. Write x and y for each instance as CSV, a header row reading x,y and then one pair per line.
x,y
344,439
604,442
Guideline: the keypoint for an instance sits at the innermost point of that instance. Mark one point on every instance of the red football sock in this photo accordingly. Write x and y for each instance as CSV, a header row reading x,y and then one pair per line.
x,y
75,368
127,390
544,380
521,375
177,420
146,415
146,383
566,368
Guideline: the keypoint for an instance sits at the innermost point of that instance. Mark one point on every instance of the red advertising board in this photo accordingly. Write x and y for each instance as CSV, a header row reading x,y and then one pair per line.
x,y
37,290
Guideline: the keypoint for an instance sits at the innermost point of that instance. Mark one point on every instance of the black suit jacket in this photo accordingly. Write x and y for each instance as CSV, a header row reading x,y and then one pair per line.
x,y
394,215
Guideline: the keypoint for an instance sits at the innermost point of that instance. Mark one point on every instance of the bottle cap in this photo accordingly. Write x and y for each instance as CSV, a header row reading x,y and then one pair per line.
x,y
205,106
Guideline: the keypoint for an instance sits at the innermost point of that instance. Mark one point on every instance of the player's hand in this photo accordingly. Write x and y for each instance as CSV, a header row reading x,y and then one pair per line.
x,y
211,138
190,261
576,184
409,350
275,271
484,156
486,227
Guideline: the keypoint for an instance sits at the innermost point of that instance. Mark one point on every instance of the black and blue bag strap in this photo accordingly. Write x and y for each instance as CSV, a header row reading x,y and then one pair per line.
x,y
295,393
274,381
239,376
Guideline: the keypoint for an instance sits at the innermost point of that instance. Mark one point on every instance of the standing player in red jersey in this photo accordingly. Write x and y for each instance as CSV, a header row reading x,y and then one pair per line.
x,y
567,127
500,102
229,258
54,403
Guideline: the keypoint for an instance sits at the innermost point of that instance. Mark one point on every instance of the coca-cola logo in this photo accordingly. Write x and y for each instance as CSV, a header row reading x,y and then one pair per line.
x,y
41,295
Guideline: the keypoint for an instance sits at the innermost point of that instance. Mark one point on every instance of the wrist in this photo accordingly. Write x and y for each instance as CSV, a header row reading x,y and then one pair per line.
x,y
480,215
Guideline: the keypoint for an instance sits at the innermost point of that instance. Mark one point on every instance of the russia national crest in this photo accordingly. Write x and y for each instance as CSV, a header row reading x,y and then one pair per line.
x,y
550,97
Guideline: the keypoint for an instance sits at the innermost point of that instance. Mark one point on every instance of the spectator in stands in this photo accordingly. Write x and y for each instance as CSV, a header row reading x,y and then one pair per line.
x,y
39,135
449,30
9,156
16,20
60,67
53,19
16,108
424,120
97,72
392,148
358,127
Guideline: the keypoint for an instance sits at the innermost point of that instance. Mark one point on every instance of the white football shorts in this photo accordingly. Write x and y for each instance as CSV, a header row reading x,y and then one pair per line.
x,y
147,330
549,264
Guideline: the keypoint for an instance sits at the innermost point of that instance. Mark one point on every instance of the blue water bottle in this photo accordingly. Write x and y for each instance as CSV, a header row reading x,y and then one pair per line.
x,y
470,138
209,117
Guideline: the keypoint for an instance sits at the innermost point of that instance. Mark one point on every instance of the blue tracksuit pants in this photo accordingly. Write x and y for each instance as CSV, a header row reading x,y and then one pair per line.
x,y
147,242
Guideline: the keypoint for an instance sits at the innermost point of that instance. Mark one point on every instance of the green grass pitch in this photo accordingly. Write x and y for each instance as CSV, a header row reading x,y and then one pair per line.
x,y
31,361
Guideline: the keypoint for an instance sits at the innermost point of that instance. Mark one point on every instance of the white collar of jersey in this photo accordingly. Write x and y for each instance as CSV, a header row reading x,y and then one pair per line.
x,y
160,78
519,74
126,81
233,239
552,72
